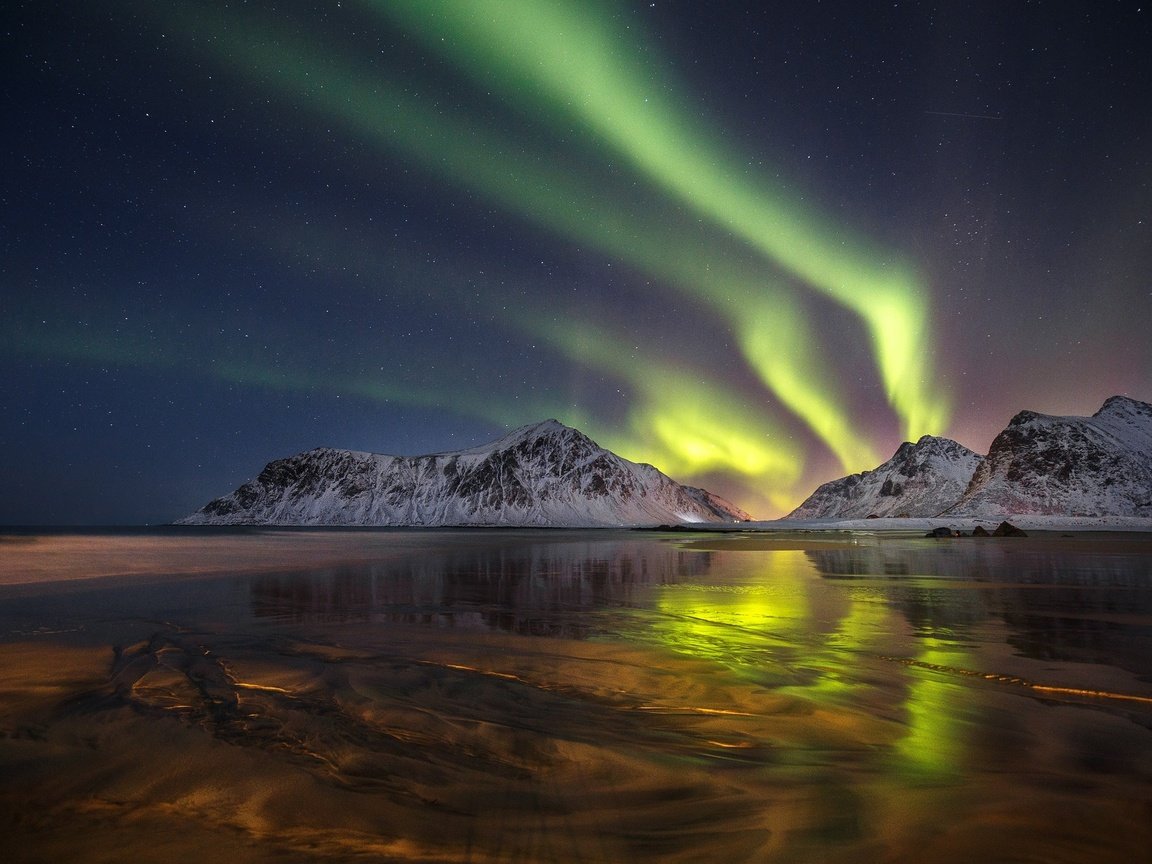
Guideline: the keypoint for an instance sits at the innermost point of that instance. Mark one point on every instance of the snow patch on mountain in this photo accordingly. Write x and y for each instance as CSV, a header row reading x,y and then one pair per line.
x,y
545,474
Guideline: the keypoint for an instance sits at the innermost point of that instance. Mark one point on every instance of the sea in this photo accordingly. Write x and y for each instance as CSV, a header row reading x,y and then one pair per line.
x,y
321,695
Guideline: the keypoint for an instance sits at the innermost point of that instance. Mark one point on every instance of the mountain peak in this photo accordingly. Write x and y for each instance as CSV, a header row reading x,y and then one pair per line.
x,y
542,427
544,430
550,426
1124,406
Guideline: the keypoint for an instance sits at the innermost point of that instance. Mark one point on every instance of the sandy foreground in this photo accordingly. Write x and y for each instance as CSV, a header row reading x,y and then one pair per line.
x,y
345,746
799,696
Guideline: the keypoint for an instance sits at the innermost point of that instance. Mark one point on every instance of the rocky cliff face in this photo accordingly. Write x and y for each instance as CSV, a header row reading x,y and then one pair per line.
x,y
920,479
546,474
1075,466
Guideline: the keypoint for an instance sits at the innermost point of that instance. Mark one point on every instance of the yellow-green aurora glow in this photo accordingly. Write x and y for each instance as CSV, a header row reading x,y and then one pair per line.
x,y
573,60
674,415
650,186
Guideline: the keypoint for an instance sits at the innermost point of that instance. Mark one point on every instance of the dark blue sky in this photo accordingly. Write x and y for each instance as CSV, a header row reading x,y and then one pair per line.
x,y
755,244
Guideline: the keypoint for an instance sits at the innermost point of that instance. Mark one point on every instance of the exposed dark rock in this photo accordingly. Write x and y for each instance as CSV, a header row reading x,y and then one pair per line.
x,y
890,489
1007,529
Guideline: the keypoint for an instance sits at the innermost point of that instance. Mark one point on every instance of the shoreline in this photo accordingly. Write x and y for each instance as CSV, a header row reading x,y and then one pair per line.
x,y
887,525
75,554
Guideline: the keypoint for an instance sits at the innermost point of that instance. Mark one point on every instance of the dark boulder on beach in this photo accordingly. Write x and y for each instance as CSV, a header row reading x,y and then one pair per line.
x,y
1007,529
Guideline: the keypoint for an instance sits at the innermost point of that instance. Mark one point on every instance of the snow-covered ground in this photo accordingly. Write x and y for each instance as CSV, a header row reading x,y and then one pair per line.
x,y
959,523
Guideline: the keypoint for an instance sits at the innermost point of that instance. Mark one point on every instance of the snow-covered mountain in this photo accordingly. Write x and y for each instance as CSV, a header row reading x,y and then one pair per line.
x,y
920,479
1072,466
546,474
1040,465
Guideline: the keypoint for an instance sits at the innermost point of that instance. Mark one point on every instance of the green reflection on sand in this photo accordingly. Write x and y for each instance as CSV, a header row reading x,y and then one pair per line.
x,y
791,702
787,628
934,746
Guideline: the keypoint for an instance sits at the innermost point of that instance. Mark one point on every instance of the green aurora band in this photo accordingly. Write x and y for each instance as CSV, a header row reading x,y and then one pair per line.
x,y
618,101
681,419
573,60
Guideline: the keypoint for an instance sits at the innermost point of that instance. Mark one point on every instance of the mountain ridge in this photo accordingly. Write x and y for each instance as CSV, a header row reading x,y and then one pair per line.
x,y
1044,464
1039,464
544,474
919,479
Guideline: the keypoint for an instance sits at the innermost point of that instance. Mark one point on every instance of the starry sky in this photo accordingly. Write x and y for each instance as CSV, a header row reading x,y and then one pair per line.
x,y
756,244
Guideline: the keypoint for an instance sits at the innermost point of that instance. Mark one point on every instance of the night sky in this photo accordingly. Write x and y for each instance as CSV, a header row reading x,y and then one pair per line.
x,y
757,244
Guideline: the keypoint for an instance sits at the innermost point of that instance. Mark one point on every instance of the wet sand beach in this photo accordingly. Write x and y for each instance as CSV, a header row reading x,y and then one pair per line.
x,y
575,696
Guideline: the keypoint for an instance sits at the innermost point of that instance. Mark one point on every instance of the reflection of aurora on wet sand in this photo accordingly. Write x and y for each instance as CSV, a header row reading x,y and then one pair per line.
x,y
580,696
820,642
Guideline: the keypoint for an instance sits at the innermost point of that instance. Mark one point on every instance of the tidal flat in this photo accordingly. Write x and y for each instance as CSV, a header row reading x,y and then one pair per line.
x,y
259,695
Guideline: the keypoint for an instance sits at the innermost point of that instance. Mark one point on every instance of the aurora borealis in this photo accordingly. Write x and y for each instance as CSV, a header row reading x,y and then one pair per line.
x,y
757,246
